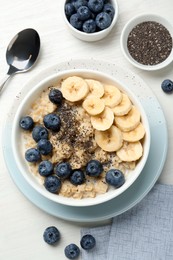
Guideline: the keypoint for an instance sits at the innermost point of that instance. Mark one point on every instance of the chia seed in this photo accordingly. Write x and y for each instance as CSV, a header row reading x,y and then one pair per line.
x,y
149,43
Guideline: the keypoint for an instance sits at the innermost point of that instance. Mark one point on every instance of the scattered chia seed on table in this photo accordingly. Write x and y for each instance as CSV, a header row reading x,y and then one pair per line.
x,y
149,43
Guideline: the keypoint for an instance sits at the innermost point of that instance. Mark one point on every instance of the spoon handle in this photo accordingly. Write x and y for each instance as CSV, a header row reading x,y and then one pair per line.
x,y
3,81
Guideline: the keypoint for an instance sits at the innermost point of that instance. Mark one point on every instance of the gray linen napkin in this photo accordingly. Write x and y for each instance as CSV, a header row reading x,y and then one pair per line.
x,y
144,232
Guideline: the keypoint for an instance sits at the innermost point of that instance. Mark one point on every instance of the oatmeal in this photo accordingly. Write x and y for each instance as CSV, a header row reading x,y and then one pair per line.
x,y
82,130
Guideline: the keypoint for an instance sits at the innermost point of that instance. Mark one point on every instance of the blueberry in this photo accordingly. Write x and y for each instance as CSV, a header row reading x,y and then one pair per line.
x,y
103,20
89,26
167,86
39,132
94,168
45,168
51,235
55,96
26,123
83,13
32,155
87,242
71,1
69,9
80,3
63,170
115,178
109,9
96,6
77,177
72,251
52,184
52,122
75,21
93,16
44,146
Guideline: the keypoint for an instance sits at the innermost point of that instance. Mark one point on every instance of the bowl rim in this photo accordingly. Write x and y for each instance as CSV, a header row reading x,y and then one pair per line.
x,y
43,84
130,25
95,34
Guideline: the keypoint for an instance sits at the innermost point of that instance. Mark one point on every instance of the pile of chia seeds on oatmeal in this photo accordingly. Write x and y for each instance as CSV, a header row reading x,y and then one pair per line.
x,y
149,43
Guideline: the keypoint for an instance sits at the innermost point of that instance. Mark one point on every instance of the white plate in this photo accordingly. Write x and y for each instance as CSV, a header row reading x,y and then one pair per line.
x,y
144,182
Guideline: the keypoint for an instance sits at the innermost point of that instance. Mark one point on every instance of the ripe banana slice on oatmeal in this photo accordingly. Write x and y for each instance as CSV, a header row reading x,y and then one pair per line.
x,y
130,151
74,88
112,96
130,121
109,140
104,120
134,135
123,107
95,87
93,105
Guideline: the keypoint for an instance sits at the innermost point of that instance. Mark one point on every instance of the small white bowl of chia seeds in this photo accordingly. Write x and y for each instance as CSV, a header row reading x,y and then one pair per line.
x,y
147,42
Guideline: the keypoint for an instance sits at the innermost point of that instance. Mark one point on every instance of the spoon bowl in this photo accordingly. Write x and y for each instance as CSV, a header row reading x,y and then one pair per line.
x,y
22,52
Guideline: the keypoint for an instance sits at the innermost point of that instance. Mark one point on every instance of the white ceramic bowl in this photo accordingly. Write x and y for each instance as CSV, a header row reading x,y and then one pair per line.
x,y
128,28
91,37
19,150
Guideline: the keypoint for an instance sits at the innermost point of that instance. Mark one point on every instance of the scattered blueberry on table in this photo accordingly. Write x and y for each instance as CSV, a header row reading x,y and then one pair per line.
x,y
72,251
51,235
88,242
115,178
167,86
89,16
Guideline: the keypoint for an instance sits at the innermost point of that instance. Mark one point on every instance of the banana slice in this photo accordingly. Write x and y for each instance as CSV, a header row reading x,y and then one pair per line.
x,y
130,121
74,88
95,87
123,107
112,96
130,151
109,140
104,120
93,105
134,135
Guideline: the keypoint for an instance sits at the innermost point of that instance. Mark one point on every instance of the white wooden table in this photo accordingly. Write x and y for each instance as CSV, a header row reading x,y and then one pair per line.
x,y
21,223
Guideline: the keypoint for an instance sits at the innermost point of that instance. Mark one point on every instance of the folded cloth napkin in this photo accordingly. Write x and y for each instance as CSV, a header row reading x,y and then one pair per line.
x,y
144,232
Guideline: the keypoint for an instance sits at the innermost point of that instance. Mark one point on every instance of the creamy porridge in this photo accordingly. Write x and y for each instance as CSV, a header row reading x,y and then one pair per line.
x,y
98,122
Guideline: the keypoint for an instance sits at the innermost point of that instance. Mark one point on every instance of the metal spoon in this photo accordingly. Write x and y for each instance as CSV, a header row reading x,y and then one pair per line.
x,y
21,53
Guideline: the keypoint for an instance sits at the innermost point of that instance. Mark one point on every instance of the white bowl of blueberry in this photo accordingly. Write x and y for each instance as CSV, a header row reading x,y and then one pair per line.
x,y
90,20
84,137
